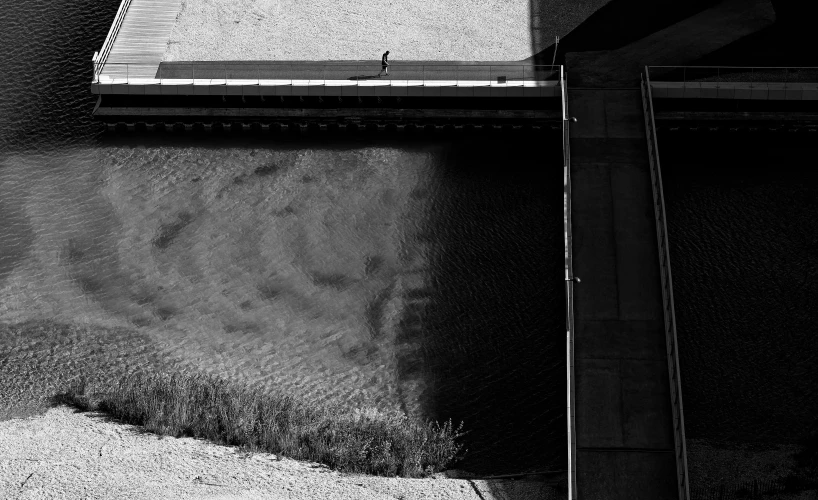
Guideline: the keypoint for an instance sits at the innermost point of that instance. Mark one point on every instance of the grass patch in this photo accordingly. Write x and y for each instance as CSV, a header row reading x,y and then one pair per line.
x,y
210,408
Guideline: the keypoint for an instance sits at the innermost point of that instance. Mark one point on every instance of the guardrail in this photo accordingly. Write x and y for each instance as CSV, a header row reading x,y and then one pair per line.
x,y
667,290
102,56
734,74
299,73
569,292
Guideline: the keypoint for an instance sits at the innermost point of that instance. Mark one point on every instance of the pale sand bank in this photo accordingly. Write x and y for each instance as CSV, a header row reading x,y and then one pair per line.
x,y
477,30
81,455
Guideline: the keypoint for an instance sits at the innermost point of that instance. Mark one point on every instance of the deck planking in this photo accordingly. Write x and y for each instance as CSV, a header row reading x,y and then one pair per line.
x,y
142,39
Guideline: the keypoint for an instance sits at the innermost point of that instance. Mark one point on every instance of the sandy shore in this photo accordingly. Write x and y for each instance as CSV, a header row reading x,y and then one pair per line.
x,y
478,30
67,454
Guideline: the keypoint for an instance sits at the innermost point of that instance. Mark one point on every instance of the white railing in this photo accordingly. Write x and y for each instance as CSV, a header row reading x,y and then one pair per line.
x,y
102,56
667,290
569,291
333,73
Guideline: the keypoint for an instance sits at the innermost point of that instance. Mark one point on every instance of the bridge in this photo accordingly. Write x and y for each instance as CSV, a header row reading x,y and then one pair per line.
x,y
135,86
625,416
300,92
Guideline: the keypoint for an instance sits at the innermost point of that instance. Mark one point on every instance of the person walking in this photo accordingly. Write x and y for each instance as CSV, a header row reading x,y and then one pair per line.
x,y
384,64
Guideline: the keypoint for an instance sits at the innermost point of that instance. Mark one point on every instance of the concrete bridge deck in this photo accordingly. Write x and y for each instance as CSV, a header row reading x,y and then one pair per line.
x,y
330,78
624,427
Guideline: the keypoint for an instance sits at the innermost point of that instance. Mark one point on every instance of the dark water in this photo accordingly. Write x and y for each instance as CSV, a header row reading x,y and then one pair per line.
x,y
742,215
417,275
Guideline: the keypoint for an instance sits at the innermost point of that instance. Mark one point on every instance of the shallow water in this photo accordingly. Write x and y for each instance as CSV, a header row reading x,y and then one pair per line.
x,y
418,275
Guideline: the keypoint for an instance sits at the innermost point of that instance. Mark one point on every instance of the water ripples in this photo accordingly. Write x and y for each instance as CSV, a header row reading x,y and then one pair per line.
x,y
412,276
745,262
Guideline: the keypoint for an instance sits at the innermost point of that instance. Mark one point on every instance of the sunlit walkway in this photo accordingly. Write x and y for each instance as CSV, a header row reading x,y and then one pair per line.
x,y
142,38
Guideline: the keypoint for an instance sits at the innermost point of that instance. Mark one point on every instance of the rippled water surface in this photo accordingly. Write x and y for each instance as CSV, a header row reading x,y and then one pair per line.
x,y
414,275
744,247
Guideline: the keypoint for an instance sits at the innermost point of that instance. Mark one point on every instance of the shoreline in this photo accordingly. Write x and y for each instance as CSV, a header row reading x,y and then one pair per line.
x,y
48,447
87,455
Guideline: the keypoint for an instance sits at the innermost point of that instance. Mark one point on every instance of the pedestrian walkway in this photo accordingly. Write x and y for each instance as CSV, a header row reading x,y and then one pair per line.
x,y
499,72
624,429
142,39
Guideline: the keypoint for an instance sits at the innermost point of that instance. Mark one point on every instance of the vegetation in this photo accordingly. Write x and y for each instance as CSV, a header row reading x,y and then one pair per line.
x,y
209,408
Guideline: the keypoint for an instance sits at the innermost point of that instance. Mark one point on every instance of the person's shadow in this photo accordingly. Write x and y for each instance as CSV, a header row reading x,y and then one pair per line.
x,y
364,77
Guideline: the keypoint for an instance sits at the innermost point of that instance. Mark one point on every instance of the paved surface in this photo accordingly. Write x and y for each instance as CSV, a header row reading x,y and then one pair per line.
x,y
355,70
623,413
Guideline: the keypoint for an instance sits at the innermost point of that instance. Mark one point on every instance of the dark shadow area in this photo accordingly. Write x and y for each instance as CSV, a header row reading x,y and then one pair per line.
x,y
492,327
616,24
745,261
788,42
44,93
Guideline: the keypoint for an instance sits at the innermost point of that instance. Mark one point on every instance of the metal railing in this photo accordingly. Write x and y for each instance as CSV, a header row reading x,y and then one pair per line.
x,y
667,290
319,73
736,74
569,292
102,56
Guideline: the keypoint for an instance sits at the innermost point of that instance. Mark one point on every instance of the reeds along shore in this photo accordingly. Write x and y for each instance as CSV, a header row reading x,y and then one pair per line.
x,y
210,408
